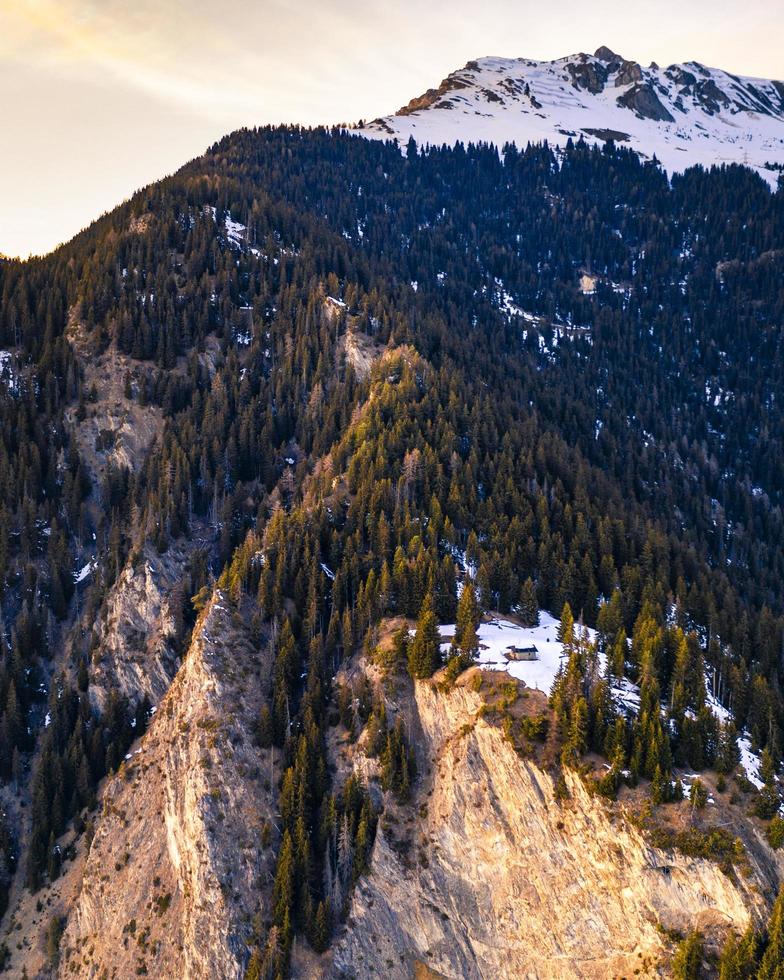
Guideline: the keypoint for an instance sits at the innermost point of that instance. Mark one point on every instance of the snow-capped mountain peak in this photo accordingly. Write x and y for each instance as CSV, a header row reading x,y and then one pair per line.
x,y
684,114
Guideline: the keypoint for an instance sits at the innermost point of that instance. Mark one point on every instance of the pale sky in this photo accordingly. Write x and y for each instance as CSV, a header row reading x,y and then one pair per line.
x,y
99,97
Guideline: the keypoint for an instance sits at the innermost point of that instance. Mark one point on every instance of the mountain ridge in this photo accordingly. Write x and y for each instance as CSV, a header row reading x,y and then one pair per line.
x,y
683,114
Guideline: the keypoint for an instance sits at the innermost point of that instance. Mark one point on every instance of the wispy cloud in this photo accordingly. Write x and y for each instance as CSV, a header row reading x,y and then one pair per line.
x,y
265,58
173,53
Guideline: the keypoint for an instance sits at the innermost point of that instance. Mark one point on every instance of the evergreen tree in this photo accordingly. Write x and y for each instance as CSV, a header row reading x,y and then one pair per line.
x,y
424,654
468,617
772,964
565,632
528,605
688,958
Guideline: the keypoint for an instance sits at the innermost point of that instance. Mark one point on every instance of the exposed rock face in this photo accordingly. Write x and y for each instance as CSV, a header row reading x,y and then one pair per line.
x,y
451,83
603,53
135,652
705,92
607,135
361,352
177,866
645,102
502,881
115,429
628,73
588,75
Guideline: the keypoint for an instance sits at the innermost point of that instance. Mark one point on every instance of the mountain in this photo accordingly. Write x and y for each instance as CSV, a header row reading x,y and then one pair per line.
x,y
684,114
391,570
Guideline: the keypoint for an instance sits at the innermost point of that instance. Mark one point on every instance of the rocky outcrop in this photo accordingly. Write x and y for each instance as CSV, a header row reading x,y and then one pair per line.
x,y
607,135
496,878
588,75
451,83
628,73
113,427
361,352
135,640
642,99
184,845
603,53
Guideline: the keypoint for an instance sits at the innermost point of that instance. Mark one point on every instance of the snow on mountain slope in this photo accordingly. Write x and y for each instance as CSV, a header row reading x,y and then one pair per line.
x,y
685,114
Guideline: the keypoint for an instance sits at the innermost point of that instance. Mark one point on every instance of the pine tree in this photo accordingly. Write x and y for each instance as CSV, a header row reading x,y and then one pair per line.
x,y
283,887
728,753
565,632
528,605
688,958
321,930
253,969
424,653
616,660
576,742
266,728
698,795
768,800
767,769
772,965
659,787
468,616
345,852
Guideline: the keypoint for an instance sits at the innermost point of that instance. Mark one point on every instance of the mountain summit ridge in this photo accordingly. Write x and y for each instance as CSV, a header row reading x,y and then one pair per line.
x,y
683,115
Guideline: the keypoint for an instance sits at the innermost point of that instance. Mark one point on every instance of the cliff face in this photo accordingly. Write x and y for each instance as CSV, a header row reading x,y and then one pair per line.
x,y
135,650
495,878
485,874
178,862
114,428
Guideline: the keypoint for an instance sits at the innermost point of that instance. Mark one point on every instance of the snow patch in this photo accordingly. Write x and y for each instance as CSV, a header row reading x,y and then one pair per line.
x,y
84,572
750,761
8,375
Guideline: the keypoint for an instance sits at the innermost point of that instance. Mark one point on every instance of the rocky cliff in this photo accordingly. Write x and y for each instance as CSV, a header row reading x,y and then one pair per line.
x,y
494,877
135,639
180,859
113,426
488,872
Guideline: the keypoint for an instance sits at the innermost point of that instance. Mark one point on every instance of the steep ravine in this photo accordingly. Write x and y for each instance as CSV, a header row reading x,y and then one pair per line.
x,y
178,863
502,881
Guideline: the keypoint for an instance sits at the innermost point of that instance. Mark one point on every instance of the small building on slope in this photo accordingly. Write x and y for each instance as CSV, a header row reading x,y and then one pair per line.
x,y
521,653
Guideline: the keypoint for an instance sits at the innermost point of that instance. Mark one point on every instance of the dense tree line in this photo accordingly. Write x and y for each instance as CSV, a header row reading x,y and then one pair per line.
x,y
618,453
758,954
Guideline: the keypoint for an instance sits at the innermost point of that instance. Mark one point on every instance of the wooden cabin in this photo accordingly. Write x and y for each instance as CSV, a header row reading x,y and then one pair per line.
x,y
521,653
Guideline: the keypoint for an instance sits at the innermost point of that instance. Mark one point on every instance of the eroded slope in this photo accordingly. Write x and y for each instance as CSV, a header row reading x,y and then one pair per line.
x,y
178,863
496,878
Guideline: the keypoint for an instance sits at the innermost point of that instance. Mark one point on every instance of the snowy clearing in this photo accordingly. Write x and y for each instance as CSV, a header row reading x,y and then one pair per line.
x,y
498,634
